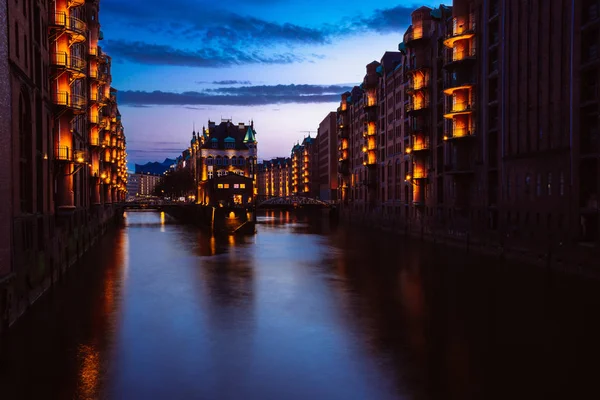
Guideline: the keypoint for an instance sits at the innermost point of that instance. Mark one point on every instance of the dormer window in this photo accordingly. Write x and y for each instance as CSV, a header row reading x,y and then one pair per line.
x,y
214,143
230,145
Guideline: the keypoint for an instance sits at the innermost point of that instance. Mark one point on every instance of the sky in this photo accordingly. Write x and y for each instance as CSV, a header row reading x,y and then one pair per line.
x,y
281,63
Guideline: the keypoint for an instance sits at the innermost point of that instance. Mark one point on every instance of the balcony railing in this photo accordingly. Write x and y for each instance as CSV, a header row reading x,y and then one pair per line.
x,y
66,99
70,62
420,143
418,32
74,25
94,119
413,86
457,56
417,106
458,108
95,142
417,126
458,133
63,153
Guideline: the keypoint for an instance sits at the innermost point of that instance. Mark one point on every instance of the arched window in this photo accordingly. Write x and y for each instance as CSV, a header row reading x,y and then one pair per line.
x,y
225,160
234,160
210,161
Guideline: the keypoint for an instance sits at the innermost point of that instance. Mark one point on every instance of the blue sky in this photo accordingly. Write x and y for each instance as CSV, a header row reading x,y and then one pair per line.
x,y
283,64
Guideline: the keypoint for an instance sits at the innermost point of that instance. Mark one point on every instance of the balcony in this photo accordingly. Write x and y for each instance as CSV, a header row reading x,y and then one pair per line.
x,y
63,153
95,142
415,107
417,126
420,143
414,67
75,27
344,167
455,58
73,64
94,119
462,108
461,31
76,3
460,133
80,156
413,87
452,85
74,102
371,114
416,35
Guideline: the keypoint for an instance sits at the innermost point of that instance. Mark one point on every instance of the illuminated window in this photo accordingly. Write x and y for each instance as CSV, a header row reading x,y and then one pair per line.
x,y
236,186
226,185
220,186
210,174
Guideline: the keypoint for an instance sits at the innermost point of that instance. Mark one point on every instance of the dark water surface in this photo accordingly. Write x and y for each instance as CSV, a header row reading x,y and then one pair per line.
x,y
301,311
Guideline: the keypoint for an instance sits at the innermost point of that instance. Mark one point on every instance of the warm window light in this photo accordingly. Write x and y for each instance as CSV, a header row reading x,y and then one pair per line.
x,y
103,176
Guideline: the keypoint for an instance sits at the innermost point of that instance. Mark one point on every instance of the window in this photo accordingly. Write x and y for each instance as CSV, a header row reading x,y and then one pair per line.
x,y
242,186
230,145
220,186
219,161
233,161
225,161
241,161
210,161
226,185
236,185
215,144
210,175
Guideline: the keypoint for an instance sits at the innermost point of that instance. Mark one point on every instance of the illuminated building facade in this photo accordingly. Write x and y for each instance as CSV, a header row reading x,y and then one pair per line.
x,y
274,178
487,124
327,145
305,172
62,139
219,151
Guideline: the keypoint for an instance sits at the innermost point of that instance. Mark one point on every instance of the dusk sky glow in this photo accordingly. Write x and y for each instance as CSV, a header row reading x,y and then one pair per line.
x,y
281,63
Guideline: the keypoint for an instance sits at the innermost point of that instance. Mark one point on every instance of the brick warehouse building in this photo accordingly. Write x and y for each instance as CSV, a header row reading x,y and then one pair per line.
x,y
64,146
495,103
221,150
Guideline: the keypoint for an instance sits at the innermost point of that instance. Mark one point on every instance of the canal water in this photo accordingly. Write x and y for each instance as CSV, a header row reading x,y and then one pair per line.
x,y
301,310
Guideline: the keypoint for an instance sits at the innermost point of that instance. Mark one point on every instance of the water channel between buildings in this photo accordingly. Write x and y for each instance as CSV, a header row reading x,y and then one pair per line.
x,y
301,310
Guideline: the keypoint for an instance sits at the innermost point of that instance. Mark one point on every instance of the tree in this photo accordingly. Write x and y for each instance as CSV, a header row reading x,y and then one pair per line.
x,y
175,184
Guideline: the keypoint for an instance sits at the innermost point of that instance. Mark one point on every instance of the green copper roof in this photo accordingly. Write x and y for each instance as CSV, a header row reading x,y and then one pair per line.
x,y
229,139
250,136
402,47
436,13
214,139
379,70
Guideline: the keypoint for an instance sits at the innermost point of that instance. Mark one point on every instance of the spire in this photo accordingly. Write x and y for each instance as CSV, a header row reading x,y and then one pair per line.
x,y
250,135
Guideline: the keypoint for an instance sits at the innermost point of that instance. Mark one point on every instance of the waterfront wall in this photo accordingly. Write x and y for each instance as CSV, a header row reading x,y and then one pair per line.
x,y
219,220
66,239
547,251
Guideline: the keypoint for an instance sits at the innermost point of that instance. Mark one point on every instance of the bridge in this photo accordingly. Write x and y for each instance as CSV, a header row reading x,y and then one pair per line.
x,y
293,202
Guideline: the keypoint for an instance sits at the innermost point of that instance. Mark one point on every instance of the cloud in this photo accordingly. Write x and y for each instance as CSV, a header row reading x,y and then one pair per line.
x,y
156,54
232,82
242,96
386,20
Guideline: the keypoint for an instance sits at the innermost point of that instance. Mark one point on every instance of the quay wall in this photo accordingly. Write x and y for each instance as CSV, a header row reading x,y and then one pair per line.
x,y
65,239
547,252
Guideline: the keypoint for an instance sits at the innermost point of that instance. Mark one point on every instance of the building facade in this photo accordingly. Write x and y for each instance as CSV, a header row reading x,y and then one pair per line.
x,y
222,150
481,124
274,178
327,148
305,168
63,142
142,184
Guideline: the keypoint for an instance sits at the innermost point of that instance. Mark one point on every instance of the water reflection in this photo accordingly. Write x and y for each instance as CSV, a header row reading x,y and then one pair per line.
x,y
301,310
